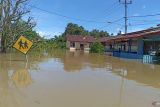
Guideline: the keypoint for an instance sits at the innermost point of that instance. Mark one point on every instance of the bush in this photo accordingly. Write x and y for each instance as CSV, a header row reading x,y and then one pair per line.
x,y
97,47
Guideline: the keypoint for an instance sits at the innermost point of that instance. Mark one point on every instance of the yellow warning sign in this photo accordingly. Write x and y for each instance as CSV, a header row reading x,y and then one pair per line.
x,y
23,44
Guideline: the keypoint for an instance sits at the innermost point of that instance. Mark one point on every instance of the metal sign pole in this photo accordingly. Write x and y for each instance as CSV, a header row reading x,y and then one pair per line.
x,y
26,60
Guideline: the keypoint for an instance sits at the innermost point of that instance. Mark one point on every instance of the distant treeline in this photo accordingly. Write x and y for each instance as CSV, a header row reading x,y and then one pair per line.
x,y
73,29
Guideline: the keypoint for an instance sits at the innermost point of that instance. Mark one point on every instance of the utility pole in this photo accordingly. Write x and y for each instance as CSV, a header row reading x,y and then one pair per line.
x,y
126,2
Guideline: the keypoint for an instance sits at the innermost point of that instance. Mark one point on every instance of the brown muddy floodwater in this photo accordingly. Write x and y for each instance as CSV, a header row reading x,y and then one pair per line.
x,y
76,79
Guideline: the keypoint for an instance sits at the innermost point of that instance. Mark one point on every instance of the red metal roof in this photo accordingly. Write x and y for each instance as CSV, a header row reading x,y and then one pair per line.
x,y
135,35
80,38
132,35
104,39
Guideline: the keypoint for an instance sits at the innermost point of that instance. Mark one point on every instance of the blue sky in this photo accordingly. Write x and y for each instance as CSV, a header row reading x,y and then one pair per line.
x,y
100,12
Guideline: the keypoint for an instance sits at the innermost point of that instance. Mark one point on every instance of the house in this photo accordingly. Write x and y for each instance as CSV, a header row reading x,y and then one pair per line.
x,y
135,45
144,44
79,42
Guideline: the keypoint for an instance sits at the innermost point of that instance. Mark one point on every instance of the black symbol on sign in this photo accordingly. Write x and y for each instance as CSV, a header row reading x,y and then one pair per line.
x,y
23,45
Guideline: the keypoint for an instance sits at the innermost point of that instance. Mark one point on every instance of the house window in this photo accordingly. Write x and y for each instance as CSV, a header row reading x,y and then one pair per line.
x,y
72,44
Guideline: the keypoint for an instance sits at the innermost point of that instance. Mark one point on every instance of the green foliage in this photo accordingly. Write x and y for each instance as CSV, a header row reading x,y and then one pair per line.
x,y
119,33
97,34
74,29
11,13
32,35
97,47
57,42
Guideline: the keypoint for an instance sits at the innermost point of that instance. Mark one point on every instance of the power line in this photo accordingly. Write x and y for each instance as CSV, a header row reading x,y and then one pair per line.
x,y
64,16
113,22
154,20
149,15
115,4
141,24
110,11
111,7
146,21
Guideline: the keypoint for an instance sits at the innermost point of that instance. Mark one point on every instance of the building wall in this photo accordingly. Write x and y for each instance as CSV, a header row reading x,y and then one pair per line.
x,y
87,45
134,47
122,49
67,44
140,50
77,45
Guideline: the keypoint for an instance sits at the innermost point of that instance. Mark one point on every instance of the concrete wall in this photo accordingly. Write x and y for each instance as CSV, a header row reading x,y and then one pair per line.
x,y
67,44
77,45
134,52
87,45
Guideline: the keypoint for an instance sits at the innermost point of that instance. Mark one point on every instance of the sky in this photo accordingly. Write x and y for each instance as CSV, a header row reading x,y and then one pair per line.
x,y
52,16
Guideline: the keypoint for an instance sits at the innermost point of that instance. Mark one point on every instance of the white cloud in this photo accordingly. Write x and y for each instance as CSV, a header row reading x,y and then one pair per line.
x,y
119,29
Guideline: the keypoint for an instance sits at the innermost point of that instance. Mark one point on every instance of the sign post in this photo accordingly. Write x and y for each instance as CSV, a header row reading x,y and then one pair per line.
x,y
23,45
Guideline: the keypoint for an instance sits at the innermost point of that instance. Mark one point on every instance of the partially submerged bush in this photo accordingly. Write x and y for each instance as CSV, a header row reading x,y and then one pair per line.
x,y
97,47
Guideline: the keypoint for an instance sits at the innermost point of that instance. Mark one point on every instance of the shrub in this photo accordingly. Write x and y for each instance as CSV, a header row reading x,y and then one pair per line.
x,y
97,47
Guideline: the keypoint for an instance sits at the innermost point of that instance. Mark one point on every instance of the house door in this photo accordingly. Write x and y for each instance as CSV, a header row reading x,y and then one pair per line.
x,y
82,46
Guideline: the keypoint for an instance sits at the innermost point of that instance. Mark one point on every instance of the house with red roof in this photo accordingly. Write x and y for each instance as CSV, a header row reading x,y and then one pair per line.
x,y
79,42
135,45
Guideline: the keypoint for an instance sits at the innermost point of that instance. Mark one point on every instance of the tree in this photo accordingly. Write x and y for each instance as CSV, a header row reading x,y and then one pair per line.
x,y
112,34
11,11
58,42
119,33
97,47
103,33
74,29
97,34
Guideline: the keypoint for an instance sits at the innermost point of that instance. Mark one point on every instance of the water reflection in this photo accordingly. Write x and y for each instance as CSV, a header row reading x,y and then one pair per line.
x,y
15,76
130,69
22,78
77,61
15,67
99,80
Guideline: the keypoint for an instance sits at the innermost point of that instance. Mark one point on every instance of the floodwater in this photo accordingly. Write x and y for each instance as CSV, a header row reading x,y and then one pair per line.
x,y
75,79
